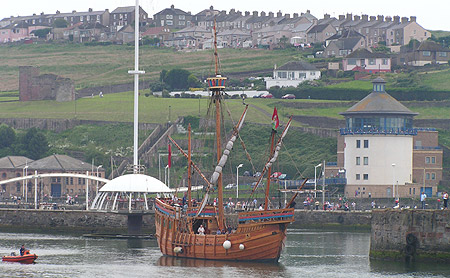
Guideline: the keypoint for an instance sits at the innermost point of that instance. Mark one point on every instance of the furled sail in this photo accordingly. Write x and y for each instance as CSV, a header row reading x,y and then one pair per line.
x,y
223,159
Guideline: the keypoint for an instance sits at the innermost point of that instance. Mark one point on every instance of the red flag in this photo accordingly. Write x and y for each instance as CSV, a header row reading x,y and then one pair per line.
x,y
169,162
275,120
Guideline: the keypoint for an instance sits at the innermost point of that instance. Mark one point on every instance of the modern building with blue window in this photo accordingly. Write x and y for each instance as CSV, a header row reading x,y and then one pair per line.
x,y
383,154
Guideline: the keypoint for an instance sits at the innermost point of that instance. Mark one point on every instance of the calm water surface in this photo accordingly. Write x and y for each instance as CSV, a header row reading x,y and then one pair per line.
x,y
308,253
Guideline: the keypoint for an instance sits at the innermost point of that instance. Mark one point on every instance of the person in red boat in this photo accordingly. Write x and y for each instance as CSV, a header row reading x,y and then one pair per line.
x,y
22,250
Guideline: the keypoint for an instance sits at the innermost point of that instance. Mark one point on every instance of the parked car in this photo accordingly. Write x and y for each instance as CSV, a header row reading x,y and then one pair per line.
x,y
230,185
267,96
288,96
275,175
284,177
257,174
247,174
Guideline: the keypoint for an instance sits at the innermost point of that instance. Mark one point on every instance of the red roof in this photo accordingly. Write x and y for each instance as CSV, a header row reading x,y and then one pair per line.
x,y
156,30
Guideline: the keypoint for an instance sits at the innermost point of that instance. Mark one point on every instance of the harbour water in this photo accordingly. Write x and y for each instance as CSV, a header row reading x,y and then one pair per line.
x,y
308,253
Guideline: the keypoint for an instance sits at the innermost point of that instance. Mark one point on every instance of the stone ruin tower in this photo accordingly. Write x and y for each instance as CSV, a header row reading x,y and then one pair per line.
x,y
33,86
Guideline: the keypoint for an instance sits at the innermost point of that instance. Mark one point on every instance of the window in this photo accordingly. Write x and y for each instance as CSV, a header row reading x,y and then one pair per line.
x,y
358,144
352,62
358,177
358,160
427,176
282,74
366,144
433,176
371,61
71,180
366,160
18,187
426,53
433,159
182,17
182,23
302,75
4,175
366,177
162,22
312,73
169,22
169,16
442,54
385,61
427,160
67,180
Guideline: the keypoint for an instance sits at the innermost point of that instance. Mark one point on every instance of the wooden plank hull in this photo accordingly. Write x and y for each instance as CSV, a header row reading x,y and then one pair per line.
x,y
259,241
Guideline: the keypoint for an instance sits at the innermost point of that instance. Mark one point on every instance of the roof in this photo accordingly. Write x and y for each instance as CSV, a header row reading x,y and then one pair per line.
x,y
12,162
318,28
128,9
172,11
378,103
156,30
60,163
302,27
348,43
432,46
135,183
364,53
348,33
236,32
192,29
297,65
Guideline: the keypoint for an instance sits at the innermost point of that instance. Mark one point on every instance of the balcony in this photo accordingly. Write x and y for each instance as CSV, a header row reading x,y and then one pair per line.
x,y
387,131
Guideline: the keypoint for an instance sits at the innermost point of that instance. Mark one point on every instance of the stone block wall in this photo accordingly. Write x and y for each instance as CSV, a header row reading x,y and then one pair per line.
x,y
422,235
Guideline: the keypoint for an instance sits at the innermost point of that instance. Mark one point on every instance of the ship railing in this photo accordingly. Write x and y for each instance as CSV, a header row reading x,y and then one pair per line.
x,y
171,211
267,216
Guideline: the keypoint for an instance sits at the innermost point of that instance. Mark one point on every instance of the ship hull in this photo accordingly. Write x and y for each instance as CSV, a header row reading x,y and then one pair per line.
x,y
251,241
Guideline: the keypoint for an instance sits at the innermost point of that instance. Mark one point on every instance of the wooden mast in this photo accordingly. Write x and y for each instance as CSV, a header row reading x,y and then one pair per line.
x,y
266,202
189,168
217,85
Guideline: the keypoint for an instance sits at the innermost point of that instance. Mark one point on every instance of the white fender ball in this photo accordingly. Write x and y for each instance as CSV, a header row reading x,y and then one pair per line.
x,y
227,244
178,250
241,246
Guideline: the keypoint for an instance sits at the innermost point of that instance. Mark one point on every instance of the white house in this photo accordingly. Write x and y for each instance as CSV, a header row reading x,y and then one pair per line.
x,y
292,74
364,60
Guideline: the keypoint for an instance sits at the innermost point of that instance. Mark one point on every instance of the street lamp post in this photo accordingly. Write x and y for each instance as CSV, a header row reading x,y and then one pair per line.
x,y
24,189
237,180
323,185
393,182
96,190
315,180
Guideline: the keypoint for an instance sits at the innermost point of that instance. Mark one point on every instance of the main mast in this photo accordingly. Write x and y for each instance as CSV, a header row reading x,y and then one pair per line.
x,y
217,86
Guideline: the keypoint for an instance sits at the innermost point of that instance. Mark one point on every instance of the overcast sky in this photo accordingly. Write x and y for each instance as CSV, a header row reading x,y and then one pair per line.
x,y
431,14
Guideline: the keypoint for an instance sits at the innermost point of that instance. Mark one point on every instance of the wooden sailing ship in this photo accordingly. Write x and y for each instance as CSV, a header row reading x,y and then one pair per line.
x,y
259,235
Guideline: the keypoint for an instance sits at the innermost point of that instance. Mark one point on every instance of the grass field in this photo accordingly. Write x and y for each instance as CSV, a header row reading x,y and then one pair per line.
x,y
90,66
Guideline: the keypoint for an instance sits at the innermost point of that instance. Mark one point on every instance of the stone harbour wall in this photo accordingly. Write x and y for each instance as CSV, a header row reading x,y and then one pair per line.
x,y
410,235
70,221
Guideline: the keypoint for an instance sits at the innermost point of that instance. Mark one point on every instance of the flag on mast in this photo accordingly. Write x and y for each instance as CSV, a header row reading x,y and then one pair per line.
x,y
169,162
275,120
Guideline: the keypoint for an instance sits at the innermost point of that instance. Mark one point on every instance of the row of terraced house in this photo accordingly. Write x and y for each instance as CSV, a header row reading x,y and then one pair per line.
x,y
177,28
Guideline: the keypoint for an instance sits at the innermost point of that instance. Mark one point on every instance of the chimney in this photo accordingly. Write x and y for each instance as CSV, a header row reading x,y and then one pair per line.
x,y
308,11
74,11
34,14
263,14
211,8
373,18
58,12
172,7
295,15
365,17
413,19
404,19
90,10
341,17
279,14
107,10
396,19
380,18
326,16
270,14
42,13
255,13
239,13
247,13
287,16
356,18
232,11
349,16
388,19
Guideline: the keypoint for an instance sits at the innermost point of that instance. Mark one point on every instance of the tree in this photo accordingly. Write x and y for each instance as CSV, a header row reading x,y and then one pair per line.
x,y
193,81
42,33
60,23
35,143
7,136
162,75
177,79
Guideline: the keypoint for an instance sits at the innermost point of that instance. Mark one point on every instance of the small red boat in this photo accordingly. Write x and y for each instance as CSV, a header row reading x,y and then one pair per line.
x,y
27,258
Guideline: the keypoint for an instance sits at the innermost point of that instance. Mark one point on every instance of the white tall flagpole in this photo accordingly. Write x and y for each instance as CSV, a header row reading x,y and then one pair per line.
x,y
136,73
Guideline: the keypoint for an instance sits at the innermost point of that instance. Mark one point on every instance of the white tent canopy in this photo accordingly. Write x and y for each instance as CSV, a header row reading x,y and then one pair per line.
x,y
138,183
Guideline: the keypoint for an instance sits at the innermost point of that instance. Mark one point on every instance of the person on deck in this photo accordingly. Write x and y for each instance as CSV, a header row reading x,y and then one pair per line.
x,y
22,250
445,198
423,197
201,230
